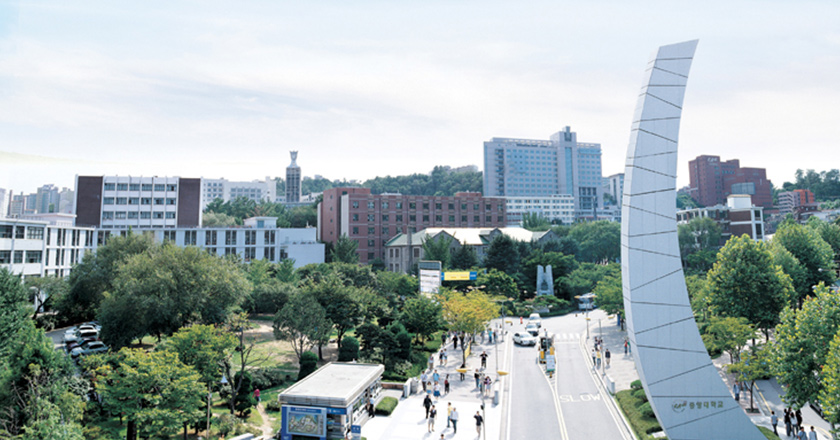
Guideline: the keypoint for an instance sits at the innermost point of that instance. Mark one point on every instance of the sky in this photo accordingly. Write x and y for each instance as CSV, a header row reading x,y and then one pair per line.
x,y
374,88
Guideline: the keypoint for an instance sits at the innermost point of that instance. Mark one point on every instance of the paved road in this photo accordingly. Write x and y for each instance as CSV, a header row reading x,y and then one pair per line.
x,y
570,406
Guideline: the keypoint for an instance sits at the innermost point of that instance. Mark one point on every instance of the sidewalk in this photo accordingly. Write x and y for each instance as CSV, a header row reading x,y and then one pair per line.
x,y
408,419
623,371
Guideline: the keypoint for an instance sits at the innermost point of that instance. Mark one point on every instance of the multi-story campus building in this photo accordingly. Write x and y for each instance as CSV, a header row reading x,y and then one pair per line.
x,y
46,244
258,239
738,217
257,190
121,202
614,186
293,188
535,168
559,208
711,181
789,201
373,219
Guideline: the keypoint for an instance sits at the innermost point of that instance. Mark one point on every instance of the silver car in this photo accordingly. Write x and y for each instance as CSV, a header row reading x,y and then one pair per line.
x,y
524,339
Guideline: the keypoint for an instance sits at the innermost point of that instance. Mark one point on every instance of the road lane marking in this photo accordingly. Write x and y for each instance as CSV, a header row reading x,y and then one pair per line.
x,y
563,434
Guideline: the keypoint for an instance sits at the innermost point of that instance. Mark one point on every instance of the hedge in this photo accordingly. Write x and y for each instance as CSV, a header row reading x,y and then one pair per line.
x,y
386,406
630,406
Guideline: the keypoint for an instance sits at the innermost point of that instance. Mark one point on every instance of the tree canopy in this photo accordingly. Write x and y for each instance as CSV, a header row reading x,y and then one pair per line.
x,y
812,252
302,322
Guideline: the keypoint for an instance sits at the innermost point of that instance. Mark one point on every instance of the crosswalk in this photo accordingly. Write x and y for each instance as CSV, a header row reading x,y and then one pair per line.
x,y
567,337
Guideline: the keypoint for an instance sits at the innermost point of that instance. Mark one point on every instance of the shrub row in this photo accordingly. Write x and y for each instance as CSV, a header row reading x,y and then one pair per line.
x,y
638,412
386,406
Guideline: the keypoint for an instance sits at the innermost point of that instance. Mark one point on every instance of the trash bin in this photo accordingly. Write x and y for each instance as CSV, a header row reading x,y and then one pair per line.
x,y
415,385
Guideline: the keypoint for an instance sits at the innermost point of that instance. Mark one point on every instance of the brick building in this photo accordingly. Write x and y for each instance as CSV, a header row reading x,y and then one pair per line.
x,y
711,181
789,201
373,219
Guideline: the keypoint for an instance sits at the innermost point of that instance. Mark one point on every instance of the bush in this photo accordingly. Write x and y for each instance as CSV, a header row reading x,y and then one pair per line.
x,y
349,349
273,406
636,385
386,406
308,364
646,410
640,394
630,407
265,378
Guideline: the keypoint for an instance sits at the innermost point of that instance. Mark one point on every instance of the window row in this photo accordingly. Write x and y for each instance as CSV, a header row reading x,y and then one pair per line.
x,y
425,218
426,205
19,257
132,215
141,187
159,201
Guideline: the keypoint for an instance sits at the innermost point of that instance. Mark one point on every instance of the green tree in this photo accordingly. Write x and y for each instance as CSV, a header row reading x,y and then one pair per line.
x,y
54,287
269,297
155,391
303,216
95,275
217,220
503,255
466,312
583,279
729,334
829,232
169,287
341,304
698,234
302,322
791,266
202,347
308,364
421,316
438,249
599,241
535,222
344,250
609,295
498,283
397,284
802,344
464,258
746,283
754,365
14,304
829,394
810,250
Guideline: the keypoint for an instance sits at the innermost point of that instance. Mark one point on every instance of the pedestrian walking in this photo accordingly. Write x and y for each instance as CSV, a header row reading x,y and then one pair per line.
x,y
787,422
593,357
257,395
802,434
607,356
477,378
454,418
431,420
598,359
448,414
463,370
478,421
446,385
737,391
487,383
443,340
812,434
483,359
437,390
436,377
625,346
429,389
774,421
481,384
444,358
799,419
431,361
423,379
427,403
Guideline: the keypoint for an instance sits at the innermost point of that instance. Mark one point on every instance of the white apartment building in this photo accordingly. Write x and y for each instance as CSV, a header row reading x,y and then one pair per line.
x,y
258,239
257,190
558,207
121,202
43,245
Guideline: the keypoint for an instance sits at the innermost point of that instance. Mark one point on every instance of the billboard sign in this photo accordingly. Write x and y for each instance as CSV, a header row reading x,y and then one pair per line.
x,y
460,276
304,420
429,276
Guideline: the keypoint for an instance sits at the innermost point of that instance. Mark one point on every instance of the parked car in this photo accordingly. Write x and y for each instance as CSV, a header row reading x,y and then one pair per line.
x,y
89,348
536,319
70,336
87,335
524,339
532,328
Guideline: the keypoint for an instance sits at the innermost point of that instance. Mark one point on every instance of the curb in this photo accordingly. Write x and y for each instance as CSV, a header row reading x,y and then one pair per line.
x,y
627,431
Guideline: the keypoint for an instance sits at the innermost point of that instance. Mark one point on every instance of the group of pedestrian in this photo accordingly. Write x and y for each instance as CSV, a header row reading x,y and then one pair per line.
x,y
432,384
599,352
793,425
452,417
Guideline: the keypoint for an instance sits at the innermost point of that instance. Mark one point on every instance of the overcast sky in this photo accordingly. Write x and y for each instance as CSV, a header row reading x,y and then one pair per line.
x,y
367,88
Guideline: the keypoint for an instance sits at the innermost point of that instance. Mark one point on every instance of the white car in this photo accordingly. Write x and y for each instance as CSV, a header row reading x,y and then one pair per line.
x,y
524,339
536,319
70,336
533,329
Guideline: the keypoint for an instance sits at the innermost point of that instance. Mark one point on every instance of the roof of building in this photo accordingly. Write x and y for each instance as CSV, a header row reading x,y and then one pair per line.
x,y
334,384
468,236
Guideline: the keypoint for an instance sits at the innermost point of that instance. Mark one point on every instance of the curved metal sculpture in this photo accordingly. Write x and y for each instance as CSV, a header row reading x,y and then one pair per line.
x,y
684,388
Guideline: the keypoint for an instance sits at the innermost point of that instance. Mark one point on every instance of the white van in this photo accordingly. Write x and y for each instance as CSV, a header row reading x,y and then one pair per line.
x,y
535,319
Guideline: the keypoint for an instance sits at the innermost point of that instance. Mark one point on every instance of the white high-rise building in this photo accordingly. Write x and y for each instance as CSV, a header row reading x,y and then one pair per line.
x,y
256,190
536,168
556,208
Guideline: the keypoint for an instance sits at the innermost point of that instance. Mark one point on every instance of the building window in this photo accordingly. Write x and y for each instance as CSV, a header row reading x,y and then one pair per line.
x,y
371,217
171,187
210,238
426,205
120,215
451,206
488,219
501,207
270,237
412,218
158,200
371,256
145,215
34,233
250,237
385,230
371,205
384,217
108,201
157,215
146,201
122,187
463,218
107,215
6,231
371,230
146,186
426,218
355,204
355,217
416,252
250,253
110,186
355,230
487,207
371,243
5,257
134,187
399,205
476,218
230,251
283,254
500,219
132,215
438,206
169,236
475,206
170,215
399,217
189,238
134,200
438,218
170,201
412,205
230,237
268,253
384,205
463,206
18,257
159,187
